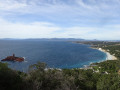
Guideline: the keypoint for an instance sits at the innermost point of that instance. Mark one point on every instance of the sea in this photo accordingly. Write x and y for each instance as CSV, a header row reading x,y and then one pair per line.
x,y
56,54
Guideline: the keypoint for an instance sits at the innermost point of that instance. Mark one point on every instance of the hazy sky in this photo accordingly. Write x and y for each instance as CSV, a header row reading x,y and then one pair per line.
x,y
88,19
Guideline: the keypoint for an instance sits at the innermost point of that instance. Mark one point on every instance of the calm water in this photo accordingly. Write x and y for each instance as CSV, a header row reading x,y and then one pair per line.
x,y
57,54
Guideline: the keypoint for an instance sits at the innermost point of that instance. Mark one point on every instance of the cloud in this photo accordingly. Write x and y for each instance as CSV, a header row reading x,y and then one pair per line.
x,y
21,30
38,30
87,19
70,12
11,5
50,30
79,7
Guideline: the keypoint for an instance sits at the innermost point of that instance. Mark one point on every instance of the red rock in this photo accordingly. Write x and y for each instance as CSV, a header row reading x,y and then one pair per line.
x,y
13,58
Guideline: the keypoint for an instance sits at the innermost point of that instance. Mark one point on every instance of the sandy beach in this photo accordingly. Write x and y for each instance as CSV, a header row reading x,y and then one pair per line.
x,y
109,56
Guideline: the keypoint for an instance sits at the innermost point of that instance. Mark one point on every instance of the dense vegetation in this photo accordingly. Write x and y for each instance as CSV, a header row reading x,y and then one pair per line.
x,y
99,76
115,50
40,78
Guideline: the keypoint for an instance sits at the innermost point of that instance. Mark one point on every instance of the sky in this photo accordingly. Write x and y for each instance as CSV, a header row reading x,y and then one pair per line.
x,y
86,19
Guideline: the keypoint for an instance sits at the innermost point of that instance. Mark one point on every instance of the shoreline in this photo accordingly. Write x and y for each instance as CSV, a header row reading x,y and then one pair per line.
x,y
109,56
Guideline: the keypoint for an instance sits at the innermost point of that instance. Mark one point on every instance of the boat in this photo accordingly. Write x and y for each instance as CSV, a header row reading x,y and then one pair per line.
x,y
13,58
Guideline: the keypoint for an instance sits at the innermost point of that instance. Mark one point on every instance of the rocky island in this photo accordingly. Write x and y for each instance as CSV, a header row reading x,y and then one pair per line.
x,y
13,58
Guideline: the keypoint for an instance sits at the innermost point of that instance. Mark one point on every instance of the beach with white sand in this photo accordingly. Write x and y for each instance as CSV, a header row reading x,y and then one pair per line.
x,y
109,56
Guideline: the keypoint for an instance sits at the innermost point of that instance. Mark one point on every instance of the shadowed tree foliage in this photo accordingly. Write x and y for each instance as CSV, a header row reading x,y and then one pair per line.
x,y
9,79
39,66
42,78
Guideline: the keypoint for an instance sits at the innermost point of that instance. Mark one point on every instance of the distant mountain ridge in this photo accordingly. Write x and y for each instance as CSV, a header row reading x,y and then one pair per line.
x,y
47,39
58,39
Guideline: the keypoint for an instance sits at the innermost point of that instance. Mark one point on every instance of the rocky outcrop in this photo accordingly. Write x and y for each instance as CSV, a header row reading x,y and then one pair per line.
x,y
13,58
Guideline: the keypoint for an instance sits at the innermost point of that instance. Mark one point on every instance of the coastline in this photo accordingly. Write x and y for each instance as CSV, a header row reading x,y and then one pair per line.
x,y
109,56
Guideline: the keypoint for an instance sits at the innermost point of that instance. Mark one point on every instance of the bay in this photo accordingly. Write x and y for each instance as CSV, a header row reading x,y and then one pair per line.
x,y
56,54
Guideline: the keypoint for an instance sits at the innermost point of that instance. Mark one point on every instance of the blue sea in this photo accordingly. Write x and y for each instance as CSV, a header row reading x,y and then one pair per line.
x,y
56,54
